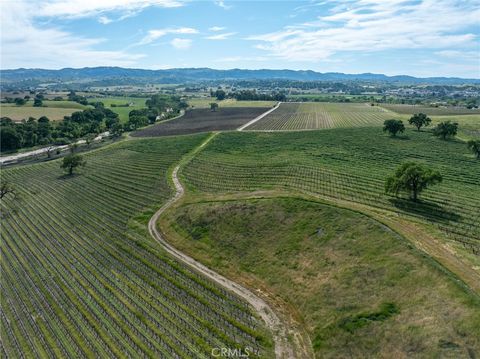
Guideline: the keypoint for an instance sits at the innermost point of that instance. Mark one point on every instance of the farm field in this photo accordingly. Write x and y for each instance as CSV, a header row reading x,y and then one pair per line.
x,y
203,120
319,115
431,111
55,110
81,277
62,104
350,165
204,102
137,104
348,278
323,96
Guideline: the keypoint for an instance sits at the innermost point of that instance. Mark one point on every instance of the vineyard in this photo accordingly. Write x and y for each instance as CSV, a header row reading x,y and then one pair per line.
x,y
430,110
203,120
204,102
348,164
311,116
82,278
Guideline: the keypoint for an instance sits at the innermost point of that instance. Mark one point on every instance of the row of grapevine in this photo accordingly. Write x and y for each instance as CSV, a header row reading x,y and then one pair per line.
x,y
342,164
311,116
82,278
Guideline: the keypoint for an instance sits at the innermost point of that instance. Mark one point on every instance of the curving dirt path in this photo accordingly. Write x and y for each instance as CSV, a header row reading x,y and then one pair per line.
x,y
283,348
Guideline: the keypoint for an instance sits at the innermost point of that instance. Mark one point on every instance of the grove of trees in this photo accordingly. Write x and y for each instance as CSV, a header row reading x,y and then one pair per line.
x,y
252,95
33,132
248,95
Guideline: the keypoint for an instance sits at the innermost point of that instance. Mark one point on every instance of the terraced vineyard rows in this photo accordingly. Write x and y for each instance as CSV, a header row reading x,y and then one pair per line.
x,y
349,164
311,116
82,278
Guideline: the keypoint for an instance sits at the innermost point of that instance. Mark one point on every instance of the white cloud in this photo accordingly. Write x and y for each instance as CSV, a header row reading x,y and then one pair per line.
x,y
375,25
104,20
216,28
25,44
224,36
82,8
222,4
181,44
158,33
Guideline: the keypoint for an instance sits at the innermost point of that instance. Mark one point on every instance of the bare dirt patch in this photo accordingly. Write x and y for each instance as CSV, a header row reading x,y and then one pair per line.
x,y
203,120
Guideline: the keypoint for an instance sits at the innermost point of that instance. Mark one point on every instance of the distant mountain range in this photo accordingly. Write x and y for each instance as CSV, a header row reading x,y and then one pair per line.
x,y
183,75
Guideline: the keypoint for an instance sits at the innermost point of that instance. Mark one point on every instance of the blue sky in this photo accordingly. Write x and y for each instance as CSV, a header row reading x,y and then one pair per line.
x,y
419,38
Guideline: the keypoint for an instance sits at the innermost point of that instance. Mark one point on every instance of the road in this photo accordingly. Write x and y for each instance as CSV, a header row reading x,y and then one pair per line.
x,y
283,348
24,155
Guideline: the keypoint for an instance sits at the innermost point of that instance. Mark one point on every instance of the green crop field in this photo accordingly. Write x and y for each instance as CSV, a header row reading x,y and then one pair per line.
x,y
351,165
63,104
318,115
430,110
137,103
204,102
359,290
81,277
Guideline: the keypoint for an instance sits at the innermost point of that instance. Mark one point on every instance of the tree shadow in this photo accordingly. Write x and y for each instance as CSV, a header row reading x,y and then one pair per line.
x,y
399,137
66,176
425,209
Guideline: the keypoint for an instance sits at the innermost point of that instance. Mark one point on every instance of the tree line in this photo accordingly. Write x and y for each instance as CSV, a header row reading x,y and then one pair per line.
x,y
444,130
33,132
159,108
92,121
248,95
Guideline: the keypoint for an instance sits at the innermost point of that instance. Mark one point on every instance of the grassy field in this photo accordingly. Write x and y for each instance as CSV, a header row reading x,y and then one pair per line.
x,y
137,103
205,102
63,104
54,110
203,120
358,289
351,165
81,277
319,115
431,111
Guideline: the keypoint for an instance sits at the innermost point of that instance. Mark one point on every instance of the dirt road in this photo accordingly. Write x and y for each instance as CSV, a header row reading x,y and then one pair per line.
x,y
283,348
258,118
